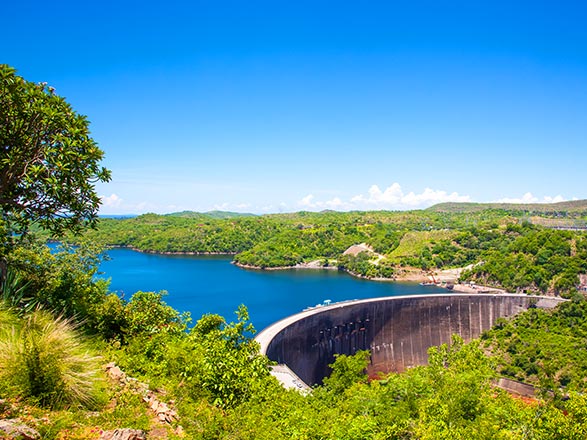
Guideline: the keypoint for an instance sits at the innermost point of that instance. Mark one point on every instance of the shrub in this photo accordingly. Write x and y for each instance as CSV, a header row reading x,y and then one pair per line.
x,y
43,358
62,282
347,370
110,319
146,314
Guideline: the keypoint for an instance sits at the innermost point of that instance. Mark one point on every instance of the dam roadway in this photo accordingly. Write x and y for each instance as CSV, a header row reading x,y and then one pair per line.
x,y
396,330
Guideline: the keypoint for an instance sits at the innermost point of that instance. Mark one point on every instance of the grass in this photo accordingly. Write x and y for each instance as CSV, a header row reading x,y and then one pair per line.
x,y
44,359
413,243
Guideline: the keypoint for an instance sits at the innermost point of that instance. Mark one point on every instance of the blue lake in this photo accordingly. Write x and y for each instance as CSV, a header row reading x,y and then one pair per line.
x,y
211,284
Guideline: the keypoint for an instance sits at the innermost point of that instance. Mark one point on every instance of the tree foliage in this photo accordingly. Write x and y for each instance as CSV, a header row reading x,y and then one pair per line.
x,y
213,371
60,281
48,161
347,371
222,387
216,360
534,260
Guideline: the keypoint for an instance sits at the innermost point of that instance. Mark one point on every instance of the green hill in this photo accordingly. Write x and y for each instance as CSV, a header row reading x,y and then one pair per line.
x,y
574,206
218,215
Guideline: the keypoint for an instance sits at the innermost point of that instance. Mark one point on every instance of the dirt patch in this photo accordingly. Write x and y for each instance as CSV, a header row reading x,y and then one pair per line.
x,y
356,249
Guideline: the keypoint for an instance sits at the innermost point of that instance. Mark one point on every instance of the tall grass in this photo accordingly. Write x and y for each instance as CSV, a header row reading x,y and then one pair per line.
x,y
42,358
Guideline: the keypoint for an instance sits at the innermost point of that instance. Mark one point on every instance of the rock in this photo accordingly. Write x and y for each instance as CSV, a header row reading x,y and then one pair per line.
x,y
158,433
163,412
179,431
163,408
115,372
124,434
15,429
142,387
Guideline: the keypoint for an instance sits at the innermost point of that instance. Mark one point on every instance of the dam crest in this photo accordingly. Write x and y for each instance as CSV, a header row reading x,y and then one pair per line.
x,y
396,330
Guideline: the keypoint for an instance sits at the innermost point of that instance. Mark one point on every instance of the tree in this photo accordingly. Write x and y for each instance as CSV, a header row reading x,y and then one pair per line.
x,y
347,370
49,164
230,368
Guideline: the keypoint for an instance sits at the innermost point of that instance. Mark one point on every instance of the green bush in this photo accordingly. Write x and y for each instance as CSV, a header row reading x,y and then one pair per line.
x,y
62,282
146,314
347,371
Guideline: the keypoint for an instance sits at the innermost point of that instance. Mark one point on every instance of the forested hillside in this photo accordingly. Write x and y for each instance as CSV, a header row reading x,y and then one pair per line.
x,y
571,209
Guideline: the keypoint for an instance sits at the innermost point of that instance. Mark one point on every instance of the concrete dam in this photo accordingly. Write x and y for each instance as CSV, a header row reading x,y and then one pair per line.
x,y
397,330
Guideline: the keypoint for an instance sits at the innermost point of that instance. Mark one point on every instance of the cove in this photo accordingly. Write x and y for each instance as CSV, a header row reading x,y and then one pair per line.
x,y
211,284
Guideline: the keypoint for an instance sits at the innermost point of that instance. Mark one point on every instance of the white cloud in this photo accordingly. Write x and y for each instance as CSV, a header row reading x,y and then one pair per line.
x,y
236,207
111,201
530,198
431,197
242,207
555,199
307,201
393,197
334,204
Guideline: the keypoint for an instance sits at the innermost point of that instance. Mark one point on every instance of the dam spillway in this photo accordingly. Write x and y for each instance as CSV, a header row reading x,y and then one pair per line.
x,y
397,330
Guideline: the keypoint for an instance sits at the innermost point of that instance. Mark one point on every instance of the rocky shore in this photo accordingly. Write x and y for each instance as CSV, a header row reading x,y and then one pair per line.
x,y
442,278
149,251
316,265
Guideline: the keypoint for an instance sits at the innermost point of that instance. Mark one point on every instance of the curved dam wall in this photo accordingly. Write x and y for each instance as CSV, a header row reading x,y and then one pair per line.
x,y
397,330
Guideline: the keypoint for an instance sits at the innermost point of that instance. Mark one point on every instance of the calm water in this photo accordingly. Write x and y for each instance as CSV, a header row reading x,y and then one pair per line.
x,y
211,284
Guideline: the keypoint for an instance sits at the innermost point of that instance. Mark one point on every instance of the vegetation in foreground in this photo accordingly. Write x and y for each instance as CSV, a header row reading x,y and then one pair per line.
x,y
220,386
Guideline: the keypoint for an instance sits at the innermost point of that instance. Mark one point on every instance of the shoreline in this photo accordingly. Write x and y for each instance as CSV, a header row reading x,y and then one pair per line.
x,y
405,275
447,276
117,246
311,265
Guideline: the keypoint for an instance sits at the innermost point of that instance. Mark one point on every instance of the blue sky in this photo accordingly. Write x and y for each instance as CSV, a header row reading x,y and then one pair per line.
x,y
281,106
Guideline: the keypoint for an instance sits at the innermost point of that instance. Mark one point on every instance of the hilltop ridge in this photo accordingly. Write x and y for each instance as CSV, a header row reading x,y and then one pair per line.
x,y
463,207
215,214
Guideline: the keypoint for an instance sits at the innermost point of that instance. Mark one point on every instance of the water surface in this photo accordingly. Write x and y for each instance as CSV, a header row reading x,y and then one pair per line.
x,y
211,284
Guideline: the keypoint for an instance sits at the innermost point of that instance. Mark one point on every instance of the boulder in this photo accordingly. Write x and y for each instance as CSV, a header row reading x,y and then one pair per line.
x,y
15,429
115,372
